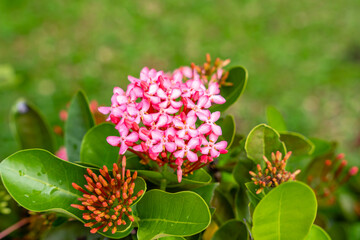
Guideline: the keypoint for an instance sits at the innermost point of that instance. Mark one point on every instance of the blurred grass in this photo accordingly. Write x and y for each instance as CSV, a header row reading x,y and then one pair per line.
x,y
303,57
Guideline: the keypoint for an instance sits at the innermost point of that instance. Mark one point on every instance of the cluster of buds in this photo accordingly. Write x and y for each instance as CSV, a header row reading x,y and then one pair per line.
x,y
274,173
332,175
213,73
157,118
107,199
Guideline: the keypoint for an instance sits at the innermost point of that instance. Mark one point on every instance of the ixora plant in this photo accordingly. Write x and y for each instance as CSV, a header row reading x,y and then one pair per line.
x,y
167,164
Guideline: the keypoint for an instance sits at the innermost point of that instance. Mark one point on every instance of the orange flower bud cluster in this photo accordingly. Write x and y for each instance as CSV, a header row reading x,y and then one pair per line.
x,y
274,173
107,199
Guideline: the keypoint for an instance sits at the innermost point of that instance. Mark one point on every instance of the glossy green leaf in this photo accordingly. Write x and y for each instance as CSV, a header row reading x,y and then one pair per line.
x,y
253,196
238,77
275,119
206,192
286,212
317,233
30,127
79,121
96,150
322,147
262,141
232,229
171,214
227,125
243,166
242,204
39,182
224,210
297,143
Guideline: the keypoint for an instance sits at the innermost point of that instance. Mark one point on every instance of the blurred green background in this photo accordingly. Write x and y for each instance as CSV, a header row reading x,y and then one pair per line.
x,y
303,57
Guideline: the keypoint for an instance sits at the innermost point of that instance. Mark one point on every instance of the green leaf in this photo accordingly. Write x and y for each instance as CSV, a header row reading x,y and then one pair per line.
x,y
251,192
262,141
39,182
275,119
171,214
79,121
243,166
238,77
286,212
297,143
227,125
322,147
96,150
317,233
30,128
232,229
224,210
206,192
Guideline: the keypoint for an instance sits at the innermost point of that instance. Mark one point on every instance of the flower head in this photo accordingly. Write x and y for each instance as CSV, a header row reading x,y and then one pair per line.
x,y
274,173
107,199
158,114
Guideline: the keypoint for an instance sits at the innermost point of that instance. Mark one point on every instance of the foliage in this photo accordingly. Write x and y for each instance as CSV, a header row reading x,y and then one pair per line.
x,y
219,200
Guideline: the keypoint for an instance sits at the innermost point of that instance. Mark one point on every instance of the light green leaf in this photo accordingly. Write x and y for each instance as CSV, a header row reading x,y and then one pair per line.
x,y
79,121
232,229
171,214
39,182
238,77
262,141
96,150
297,143
317,233
286,212
30,127
227,125
275,119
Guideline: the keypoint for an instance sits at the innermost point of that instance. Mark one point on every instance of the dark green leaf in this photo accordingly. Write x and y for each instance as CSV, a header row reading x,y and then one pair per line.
x,y
317,233
275,119
206,192
30,128
224,210
286,212
232,229
96,150
171,214
39,182
262,141
227,125
238,77
251,191
243,166
297,143
322,147
79,121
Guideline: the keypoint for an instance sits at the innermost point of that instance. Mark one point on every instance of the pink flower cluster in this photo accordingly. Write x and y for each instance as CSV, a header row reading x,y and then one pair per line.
x,y
166,117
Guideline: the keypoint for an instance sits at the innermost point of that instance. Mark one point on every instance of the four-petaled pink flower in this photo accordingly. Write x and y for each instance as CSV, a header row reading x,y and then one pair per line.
x,y
124,140
213,148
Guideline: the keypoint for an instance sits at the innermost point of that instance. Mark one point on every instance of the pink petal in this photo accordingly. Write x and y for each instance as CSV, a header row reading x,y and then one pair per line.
x,y
176,105
191,156
157,135
215,116
214,153
170,146
221,145
191,120
178,123
157,148
213,137
218,99
161,94
138,148
193,143
181,133
175,93
202,101
121,99
205,150
193,133
179,174
147,119
216,129
170,132
162,121
204,128
132,111
171,110
133,79
118,91
203,117
179,142
104,110
213,88
153,89
179,154
123,148
133,137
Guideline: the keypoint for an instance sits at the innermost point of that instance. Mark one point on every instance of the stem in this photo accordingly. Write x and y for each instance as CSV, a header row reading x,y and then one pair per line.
x,y
163,180
14,227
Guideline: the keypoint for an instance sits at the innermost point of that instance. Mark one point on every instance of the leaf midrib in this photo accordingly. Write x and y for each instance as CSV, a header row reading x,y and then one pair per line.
x,y
172,221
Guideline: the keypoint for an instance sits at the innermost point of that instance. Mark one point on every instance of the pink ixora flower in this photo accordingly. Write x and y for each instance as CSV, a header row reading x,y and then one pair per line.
x,y
158,115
